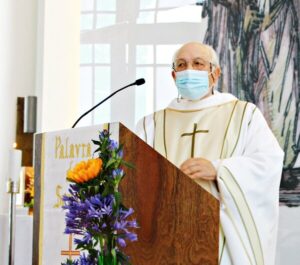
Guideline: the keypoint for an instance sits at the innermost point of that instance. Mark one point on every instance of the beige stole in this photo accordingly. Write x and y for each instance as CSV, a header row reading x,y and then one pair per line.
x,y
209,133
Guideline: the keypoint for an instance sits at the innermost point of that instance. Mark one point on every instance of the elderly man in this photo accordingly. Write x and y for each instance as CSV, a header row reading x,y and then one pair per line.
x,y
226,146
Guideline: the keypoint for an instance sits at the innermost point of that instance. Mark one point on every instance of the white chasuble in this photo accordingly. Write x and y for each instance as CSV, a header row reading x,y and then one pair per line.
x,y
235,137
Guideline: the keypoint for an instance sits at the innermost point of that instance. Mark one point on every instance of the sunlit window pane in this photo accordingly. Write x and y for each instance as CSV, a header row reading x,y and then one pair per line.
x,y
144,94
144,54
102,90
86,53
165,87
147,4
146,17
126,53
175,3
106,5
86,21
105,20
86,93
102,53
102,79
165,53
189,13
87,5
102,114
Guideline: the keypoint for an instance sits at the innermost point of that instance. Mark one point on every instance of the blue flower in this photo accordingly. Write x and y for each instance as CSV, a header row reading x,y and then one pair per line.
x,y
87,238
117,172
87,260
106,209
103,134
113,145
121,242
120,153
91,213
126,213
122,226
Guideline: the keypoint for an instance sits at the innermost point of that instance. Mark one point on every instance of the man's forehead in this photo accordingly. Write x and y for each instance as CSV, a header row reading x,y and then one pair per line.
x,y
192,51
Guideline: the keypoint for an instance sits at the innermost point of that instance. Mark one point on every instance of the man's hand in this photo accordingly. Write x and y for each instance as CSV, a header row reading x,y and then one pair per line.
x,y
199,168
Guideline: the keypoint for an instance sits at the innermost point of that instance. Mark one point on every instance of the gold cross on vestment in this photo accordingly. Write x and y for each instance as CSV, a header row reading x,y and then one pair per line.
x,y
193,134
70,252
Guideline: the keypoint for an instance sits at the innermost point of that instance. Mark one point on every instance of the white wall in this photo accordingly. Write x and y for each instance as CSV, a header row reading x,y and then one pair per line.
x,y
288,243
18,20
58,63
39,51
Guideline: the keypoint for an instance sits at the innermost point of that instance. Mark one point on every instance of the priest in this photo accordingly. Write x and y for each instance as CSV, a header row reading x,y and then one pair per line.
x,y
226,146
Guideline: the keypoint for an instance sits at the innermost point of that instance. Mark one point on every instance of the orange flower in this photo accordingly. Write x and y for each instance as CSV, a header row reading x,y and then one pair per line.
x,y
85,170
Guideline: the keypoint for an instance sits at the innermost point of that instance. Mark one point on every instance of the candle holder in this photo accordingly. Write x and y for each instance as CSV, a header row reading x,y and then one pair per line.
x,y
12,187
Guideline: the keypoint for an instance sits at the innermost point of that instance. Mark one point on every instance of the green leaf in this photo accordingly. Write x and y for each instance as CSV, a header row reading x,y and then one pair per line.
x,y
122,258
130,165
114,256
110,162
97,150
96,142
106,191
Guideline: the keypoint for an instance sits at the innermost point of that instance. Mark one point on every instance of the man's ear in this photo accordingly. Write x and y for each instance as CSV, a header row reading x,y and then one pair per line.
x,y
217,73
174,75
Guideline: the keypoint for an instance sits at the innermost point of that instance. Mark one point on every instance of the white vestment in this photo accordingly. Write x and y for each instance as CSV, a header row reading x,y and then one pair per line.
x,y
235,137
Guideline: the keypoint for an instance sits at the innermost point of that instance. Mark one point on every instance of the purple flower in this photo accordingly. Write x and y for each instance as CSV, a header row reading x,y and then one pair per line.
x,y
113,145
103,134
131,236
106,209
126,213
117,172
87,238
121,242
88,214
122,226
120,153
87,260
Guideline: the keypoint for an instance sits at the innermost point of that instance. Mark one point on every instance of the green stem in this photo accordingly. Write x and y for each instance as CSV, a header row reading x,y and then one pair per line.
x,y
100,259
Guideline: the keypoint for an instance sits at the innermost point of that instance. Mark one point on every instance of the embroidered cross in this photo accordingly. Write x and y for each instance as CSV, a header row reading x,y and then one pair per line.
x,y
193,134
70,252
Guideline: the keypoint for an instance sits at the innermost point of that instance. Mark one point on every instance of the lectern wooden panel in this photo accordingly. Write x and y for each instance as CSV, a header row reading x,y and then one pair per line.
x,y
179,221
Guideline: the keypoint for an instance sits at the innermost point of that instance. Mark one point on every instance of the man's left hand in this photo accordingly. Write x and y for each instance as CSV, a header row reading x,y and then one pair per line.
x,y
197,168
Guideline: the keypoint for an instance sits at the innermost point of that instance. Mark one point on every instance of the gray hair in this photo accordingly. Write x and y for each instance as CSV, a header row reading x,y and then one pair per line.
x,y
214,57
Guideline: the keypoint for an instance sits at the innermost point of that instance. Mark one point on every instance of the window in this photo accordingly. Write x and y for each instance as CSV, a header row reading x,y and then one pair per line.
x,y
122,41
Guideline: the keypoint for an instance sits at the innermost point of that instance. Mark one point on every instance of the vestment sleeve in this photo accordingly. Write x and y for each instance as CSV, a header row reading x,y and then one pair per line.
x,y
248,183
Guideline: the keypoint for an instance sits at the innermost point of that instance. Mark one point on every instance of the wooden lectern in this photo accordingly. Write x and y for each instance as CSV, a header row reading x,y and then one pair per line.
x,y
179,221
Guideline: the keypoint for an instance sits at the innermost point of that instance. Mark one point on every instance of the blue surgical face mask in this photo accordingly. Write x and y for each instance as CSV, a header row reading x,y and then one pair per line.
x,y
192,84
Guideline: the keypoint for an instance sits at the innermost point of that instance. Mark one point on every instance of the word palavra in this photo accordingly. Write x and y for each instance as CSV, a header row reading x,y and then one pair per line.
x,y
64,149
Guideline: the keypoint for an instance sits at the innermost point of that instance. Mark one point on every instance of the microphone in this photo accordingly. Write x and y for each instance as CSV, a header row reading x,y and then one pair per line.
x,y
137,82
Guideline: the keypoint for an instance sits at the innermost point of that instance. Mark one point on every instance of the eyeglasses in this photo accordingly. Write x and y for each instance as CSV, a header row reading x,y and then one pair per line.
x,y
197,64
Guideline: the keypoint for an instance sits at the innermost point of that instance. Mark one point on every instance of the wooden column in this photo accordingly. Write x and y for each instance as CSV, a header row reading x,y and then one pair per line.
x,y
24,140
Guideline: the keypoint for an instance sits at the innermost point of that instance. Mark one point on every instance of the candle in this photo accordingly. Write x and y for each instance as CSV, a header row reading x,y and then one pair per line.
x,y
15,164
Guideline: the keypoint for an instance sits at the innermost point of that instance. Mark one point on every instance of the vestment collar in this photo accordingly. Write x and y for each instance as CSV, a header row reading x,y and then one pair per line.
x,y
214,100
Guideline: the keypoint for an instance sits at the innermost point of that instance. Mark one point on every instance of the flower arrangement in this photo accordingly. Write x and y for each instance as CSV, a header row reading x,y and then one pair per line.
x,y
94,208
29,188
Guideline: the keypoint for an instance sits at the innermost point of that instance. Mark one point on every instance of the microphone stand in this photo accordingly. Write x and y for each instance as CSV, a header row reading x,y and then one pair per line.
x,y
137,82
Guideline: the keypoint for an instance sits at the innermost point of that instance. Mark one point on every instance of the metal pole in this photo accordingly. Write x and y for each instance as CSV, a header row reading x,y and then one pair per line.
x,y
12,189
